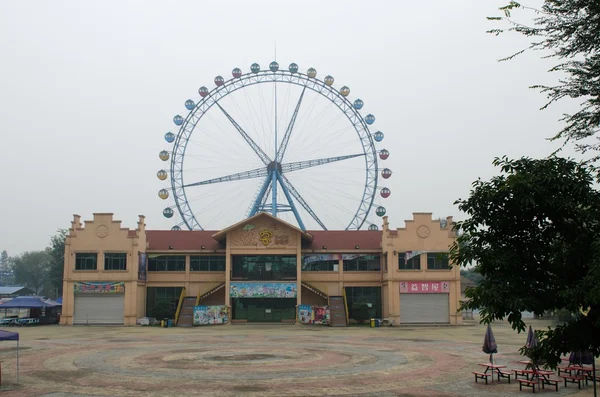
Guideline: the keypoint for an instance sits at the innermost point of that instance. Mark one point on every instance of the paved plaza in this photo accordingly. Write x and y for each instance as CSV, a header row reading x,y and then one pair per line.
x,y
260,360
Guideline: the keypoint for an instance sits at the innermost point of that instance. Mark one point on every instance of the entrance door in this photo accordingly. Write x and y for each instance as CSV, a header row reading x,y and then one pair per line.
x,y
264,310
95,309
424,308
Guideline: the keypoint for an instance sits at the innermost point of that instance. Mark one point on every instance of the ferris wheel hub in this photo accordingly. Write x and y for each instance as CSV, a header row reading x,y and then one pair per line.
x,y
274,166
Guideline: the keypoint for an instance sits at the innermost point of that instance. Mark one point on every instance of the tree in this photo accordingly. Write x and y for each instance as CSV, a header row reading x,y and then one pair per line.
x,y
3,260
56,250
567,30
31,269
533,234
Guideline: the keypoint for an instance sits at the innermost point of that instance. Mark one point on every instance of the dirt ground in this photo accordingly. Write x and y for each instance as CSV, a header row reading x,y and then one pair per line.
x,y
260,360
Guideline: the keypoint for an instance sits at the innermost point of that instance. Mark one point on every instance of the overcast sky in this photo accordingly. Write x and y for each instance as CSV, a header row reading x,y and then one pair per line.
x,y
88,90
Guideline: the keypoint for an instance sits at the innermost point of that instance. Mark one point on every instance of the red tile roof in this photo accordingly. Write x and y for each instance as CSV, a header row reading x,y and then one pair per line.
x,y
346,239
159,240
189,240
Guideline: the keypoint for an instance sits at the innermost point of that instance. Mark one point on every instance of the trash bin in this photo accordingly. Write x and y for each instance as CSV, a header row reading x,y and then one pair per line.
x,y
169,323
377,322
372,323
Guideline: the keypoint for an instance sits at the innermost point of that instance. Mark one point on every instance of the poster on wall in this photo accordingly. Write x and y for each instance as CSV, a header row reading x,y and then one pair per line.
x,y
424,287
263,290
308,314
305,314
99,288
142,265
210,315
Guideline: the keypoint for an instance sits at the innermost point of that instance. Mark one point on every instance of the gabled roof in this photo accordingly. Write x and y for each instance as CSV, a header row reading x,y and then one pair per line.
x,y
25,302
13,290
220,236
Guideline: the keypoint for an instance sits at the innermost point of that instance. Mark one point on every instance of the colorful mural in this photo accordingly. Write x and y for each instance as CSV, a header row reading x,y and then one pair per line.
x,y
263,290
313,314
99,288
210,315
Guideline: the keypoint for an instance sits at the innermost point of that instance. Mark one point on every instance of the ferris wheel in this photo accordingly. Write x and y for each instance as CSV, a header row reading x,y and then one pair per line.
x,y
277,141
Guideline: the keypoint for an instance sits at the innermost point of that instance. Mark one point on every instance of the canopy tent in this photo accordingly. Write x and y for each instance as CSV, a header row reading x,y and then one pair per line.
x,y
5,335
27,302
59,301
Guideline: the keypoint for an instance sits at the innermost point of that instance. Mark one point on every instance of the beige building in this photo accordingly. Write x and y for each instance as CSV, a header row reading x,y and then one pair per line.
x,y
259,270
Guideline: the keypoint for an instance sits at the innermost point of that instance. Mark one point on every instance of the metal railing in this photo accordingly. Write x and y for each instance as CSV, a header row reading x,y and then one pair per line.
x,y
179,304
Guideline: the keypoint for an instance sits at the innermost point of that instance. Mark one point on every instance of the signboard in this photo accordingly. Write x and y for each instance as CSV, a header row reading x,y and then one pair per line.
x,y
308,314
142,265
263,290
117,287
210,315
424,287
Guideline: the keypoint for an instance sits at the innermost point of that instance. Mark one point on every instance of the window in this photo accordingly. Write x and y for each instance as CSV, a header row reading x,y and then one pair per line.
x,y
310,263
437,261
167,263
205,263
371,295
363,263
115,261
86,261
413,263
263,267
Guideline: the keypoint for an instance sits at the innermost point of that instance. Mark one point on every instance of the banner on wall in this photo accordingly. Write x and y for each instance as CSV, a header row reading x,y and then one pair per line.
x,y
142,266
424,287
308,314
263,290
411,254
210,315
306,259
99,288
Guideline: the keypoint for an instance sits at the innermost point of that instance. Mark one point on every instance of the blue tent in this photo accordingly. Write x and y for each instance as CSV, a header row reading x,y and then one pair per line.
x,y
26,302
59,301
5,335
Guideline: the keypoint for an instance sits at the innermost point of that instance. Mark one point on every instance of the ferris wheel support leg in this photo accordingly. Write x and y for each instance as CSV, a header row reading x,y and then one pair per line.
x,y
274,193
291,202
259,197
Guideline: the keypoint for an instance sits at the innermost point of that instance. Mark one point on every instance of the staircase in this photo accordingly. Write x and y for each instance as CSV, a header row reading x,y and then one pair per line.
x,y
337,311
186,316
200,298
315,290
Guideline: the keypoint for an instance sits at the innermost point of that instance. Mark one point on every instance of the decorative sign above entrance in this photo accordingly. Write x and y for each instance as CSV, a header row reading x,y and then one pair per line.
x,y
265,235
263,290
424,287
99,288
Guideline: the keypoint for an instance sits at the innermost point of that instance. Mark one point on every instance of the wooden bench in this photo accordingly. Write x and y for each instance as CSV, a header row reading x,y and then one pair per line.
x,y
504,374
527,383
572,379
551,382
481,375
521,372
563,369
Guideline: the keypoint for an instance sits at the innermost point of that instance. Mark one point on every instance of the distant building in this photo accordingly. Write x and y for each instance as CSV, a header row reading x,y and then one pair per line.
x,y
11,292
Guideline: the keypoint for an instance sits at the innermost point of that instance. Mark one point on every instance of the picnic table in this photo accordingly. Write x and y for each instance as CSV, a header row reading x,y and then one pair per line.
x,y
490,369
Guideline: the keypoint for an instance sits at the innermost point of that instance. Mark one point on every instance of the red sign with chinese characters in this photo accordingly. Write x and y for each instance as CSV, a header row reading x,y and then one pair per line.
x,y
424,287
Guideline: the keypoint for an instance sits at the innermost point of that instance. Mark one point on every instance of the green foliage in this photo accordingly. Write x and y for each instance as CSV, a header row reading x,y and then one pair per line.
x,y
162,309
533,234
56,250
31,269
361,312
3,260
568,31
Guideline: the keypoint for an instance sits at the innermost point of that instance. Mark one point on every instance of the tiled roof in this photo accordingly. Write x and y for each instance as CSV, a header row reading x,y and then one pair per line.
x,y
190,240
186,240
10,290
346,239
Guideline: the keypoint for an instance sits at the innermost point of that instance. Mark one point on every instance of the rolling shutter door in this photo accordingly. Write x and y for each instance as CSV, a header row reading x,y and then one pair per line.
x,y
99,309
424,308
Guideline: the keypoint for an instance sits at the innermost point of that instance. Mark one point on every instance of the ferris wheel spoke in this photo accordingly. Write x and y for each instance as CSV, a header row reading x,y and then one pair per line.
x,y
286,184
256,173
260,153
290,127
299,165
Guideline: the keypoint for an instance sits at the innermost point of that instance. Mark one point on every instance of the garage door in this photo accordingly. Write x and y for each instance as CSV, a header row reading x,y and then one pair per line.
x,y
424,308
99,309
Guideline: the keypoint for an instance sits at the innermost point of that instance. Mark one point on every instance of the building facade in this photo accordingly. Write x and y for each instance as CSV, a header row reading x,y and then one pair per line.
x,y
261,269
